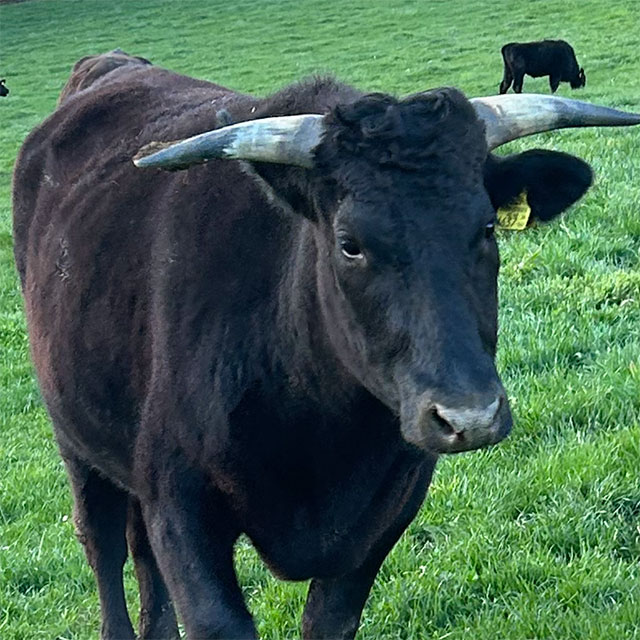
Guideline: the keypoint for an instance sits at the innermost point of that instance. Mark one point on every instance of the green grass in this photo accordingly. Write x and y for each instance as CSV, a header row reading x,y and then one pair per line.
x,y
537,538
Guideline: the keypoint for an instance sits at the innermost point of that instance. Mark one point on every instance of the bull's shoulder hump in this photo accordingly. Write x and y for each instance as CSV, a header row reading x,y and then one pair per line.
x,y
129,104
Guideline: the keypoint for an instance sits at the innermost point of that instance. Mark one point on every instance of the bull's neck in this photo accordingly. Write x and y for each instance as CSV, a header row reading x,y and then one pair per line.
x,y
306,349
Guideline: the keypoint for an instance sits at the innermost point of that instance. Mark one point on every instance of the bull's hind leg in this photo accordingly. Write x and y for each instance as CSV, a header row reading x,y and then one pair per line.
x,y
101,518
507,79
157,616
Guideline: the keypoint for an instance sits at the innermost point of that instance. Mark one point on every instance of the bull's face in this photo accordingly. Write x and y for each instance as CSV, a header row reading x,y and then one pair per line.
x,y
417,282
410,286
402,196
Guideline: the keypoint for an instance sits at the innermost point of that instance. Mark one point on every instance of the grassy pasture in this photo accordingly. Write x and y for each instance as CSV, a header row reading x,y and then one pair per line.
x,y
537,538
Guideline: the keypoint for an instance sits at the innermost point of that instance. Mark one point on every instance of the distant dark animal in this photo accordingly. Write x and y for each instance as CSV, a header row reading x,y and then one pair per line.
x,y
279,342
4,91
553,58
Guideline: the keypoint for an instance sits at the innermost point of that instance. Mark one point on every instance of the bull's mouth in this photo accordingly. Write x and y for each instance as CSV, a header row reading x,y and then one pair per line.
x,y
443,430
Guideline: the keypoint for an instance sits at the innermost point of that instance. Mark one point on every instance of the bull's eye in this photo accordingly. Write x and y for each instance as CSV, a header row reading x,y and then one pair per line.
x,y
489,230
350,249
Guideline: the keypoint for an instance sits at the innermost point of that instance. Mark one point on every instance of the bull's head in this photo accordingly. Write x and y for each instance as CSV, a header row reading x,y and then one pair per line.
x,y
402,196
579,80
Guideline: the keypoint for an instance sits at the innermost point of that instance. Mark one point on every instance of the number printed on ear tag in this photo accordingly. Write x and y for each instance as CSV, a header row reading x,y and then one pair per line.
x,y
516,214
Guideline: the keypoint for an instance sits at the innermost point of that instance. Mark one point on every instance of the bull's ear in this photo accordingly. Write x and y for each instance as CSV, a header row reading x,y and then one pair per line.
x,y
550,181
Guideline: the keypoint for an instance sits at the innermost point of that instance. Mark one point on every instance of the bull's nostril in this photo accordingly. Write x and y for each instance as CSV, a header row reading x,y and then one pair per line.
x,y
470,423
463,419
445,427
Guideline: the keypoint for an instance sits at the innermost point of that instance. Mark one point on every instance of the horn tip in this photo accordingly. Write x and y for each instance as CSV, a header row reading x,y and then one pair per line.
x,y
144,157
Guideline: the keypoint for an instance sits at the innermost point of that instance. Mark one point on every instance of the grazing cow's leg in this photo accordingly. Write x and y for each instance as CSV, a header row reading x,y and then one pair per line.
x,y
518,79
554,83
507,79
192,539
101,518
157,617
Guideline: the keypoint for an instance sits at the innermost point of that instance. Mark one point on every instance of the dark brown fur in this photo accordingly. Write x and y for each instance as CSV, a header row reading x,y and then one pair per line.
x,y
213,364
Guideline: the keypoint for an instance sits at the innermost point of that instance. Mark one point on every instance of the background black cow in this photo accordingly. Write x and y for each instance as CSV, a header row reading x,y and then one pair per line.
x,y
4,90
281,346
553,58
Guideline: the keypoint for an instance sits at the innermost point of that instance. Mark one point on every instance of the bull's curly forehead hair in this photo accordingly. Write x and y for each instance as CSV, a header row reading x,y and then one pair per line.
x,y
406,132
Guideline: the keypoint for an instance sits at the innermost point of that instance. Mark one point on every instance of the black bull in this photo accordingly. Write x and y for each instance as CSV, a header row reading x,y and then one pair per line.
x,y
279,346
553,58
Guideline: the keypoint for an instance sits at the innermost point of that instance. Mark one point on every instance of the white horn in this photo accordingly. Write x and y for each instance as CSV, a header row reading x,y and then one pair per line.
x,y
283,140
508,117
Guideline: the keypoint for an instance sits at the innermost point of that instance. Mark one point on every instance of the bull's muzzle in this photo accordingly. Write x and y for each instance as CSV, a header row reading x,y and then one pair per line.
x,y
445,428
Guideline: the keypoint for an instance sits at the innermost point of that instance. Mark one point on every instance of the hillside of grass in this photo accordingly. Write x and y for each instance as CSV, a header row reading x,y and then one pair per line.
x,y
537,538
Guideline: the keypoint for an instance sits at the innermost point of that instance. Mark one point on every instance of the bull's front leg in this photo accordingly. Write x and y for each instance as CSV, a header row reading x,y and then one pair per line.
x,y
157,616
334,606
191,533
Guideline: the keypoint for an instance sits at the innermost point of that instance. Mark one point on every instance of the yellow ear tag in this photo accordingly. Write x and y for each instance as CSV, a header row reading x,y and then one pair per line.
x,y
516,214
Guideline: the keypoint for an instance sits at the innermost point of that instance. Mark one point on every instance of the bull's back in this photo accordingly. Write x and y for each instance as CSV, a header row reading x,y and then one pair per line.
x,y
538,59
